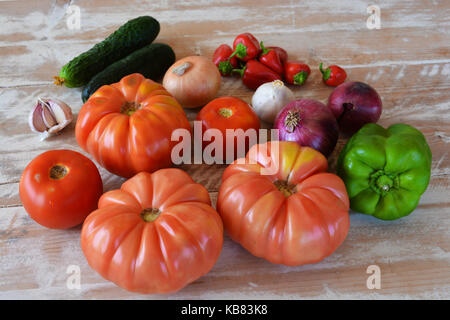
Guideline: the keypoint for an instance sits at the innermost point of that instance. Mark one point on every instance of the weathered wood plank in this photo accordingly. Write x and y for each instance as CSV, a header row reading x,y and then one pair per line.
x,y
41,272
318,31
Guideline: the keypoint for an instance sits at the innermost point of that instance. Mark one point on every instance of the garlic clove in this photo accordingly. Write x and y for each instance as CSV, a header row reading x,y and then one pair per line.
x,y
49,116
61,111
35,120
58,127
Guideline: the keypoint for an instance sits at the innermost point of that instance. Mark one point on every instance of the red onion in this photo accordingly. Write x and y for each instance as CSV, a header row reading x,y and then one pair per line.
x,y
354,104
309,123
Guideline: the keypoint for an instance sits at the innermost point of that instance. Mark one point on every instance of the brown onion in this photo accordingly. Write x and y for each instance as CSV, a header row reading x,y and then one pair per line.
x,y
193,81
309,123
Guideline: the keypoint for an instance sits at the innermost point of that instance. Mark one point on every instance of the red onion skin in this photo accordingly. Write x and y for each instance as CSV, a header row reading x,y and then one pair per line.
x,y
316,128
354,104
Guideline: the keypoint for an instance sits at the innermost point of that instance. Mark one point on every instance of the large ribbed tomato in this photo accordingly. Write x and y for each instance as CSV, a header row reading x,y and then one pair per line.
x,y
127,126
297,214
155,234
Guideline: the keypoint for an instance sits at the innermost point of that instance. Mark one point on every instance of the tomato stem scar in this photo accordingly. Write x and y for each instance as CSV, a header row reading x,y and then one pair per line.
x,y
58,171
225,112
150,214
286,188
129,108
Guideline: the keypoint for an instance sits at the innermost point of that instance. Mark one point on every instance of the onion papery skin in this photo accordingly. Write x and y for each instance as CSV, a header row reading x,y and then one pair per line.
x,y
354,104
193,81
309,123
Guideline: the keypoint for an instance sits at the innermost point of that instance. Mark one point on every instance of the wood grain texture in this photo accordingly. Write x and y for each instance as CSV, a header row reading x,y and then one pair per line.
x,y
407,61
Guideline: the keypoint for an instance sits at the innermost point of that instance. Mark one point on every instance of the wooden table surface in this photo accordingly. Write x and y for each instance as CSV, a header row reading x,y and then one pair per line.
x,y
407,60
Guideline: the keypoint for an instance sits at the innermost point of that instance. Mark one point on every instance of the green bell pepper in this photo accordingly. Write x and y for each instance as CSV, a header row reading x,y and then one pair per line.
x,y
385,171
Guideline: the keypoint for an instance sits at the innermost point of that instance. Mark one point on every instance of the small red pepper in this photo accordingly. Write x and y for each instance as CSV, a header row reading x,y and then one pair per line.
x,y
333,75
221,58
246,47
281,53
296,72
270,58
255,74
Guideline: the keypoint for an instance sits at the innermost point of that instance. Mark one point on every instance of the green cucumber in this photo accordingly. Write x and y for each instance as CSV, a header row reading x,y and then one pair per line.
x,y
130,37
151,61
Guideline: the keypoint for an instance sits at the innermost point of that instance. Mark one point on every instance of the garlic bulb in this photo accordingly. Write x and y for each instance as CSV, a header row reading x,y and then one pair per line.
x,y
270,98
49,116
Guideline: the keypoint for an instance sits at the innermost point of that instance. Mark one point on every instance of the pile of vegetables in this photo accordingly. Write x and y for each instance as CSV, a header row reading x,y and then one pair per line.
x,y
159,231
257,64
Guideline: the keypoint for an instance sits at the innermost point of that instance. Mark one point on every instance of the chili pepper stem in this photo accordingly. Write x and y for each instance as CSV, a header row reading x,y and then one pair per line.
x,y
300,77
326,73
321,68
240,51
240,71
264,49
225,67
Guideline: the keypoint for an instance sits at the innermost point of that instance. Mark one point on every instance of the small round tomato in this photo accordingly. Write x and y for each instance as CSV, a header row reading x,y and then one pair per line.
x,y
59,188
225,114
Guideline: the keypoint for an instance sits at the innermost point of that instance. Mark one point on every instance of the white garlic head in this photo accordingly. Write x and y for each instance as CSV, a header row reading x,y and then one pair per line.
x,y
270,98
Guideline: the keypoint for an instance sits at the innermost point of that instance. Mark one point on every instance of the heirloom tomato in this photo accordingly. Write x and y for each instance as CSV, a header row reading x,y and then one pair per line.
x,y
155,234
59,188
280,204
127,126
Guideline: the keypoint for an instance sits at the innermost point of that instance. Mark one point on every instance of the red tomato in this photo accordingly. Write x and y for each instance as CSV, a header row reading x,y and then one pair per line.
x,y
127,126
59,188
294,215
156,234
229,113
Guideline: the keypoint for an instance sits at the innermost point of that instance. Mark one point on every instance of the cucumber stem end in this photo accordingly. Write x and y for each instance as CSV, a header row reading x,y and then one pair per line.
x,y
58,80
